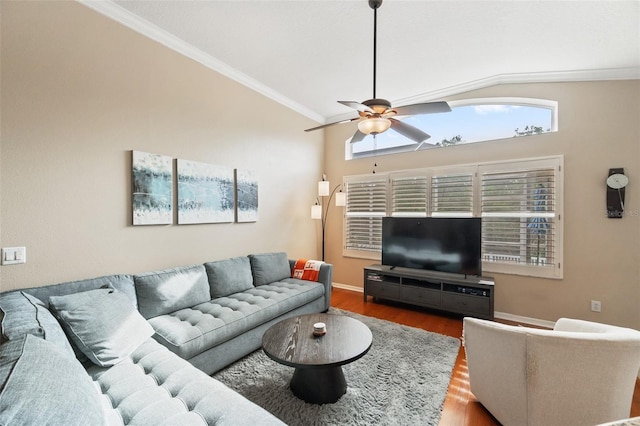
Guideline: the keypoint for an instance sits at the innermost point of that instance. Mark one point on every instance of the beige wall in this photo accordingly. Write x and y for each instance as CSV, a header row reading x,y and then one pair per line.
x,y
79,92
599,128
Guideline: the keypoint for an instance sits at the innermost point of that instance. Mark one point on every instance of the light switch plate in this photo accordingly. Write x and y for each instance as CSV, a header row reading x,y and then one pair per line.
x,y
14,255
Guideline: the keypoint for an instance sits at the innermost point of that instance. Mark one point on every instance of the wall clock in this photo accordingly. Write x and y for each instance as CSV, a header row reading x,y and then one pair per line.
x,y
616,183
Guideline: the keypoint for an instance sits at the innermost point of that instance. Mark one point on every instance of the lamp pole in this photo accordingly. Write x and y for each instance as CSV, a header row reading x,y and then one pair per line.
x,y
325,213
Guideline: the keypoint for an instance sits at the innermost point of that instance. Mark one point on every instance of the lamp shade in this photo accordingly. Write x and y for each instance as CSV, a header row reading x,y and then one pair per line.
x,y
323,188
374,125
341,199
316,211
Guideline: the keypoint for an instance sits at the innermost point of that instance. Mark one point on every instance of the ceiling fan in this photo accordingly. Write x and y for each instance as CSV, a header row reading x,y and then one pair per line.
x,y
376,115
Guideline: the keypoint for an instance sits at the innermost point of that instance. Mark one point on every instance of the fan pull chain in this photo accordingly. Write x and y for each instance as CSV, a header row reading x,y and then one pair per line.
x,y
375,153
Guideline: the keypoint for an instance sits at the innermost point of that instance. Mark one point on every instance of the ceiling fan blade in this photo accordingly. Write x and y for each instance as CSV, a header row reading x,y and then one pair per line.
x,y
426,108
332,124
357,136
357,106
409,131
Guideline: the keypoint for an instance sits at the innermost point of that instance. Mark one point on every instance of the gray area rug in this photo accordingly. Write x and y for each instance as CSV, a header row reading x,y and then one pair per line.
x,y
402,380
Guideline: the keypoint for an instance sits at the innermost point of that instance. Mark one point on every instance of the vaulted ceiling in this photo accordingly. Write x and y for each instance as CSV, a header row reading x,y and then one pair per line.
x,y
309,54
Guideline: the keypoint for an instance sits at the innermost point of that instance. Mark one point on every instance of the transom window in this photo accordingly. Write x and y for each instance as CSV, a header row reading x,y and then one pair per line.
x,y
470,121
520,203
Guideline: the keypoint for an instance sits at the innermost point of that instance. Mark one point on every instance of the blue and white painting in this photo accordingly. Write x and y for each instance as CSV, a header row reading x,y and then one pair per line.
x,y
205,193
246,196
152,189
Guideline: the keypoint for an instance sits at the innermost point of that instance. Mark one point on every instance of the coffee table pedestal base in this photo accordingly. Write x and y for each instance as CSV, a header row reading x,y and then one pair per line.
x,y
324,385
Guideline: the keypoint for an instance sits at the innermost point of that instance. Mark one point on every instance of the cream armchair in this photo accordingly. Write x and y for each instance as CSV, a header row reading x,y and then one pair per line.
x,y
579,373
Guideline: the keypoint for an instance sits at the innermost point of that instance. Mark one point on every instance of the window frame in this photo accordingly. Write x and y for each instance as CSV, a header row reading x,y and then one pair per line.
x,y
502,100
556,163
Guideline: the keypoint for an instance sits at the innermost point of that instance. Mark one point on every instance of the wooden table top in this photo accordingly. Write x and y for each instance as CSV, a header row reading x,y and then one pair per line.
x,y
291,342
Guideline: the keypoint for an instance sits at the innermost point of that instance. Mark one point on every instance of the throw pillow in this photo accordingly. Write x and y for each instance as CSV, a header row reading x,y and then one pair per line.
x,y
103,324
170,290
229,276
47,386
268,268
26,314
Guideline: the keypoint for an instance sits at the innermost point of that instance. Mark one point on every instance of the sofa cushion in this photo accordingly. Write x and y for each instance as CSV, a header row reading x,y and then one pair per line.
x,y
26,314
268,268
156,387
191,331
47,386
229,276
103,323
162,292
123,283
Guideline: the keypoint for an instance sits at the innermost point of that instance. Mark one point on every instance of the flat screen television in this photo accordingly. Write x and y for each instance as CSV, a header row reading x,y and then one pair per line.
x,y
434,244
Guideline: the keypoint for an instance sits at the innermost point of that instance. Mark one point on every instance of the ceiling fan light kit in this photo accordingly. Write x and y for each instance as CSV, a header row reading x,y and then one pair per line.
x,y
376,115
374,125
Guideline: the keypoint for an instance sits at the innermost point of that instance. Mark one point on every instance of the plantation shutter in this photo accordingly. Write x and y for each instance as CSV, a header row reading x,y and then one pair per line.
x,y
409,195
519,220
366,205
452,195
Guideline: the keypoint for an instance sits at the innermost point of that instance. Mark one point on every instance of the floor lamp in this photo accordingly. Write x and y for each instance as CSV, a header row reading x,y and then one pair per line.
x,y
320,210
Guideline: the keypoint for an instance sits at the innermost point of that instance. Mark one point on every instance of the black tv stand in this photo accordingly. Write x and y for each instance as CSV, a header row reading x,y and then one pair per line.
x,y
462,294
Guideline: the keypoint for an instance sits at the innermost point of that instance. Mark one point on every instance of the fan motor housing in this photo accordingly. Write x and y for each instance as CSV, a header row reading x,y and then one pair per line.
x,y
378,105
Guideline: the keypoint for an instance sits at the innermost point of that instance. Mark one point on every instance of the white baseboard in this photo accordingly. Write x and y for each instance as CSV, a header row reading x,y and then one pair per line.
x,y
501,315
524,320
348,287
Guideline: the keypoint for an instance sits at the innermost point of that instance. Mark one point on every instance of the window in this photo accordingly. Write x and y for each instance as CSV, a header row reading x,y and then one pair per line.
x,y
519,201
366,206
452,194
470,121
409,195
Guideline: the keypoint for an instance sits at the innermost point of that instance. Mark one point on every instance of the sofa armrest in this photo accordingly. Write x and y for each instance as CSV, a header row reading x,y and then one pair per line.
x,y
325,276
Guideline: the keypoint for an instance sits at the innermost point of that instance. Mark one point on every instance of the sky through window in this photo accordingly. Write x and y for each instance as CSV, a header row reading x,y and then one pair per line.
x,y
474,123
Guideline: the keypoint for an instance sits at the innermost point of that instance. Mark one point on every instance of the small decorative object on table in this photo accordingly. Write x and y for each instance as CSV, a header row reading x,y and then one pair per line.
x,y
319,329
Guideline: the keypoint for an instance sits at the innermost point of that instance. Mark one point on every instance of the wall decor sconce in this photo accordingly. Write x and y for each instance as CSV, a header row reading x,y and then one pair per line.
x,y
320,210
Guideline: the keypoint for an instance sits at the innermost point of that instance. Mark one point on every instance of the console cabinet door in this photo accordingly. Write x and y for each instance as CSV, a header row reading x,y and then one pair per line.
x,y
383,290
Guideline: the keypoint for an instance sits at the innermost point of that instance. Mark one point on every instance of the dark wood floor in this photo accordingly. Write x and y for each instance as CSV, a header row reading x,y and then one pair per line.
x,y
460,406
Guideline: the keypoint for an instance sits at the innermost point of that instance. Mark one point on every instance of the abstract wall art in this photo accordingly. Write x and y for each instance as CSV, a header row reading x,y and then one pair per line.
x,y
246,196
205,193
152,182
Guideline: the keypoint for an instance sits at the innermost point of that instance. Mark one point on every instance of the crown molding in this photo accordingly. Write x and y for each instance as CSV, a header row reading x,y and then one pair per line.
x,y
520,78
632,73
121,15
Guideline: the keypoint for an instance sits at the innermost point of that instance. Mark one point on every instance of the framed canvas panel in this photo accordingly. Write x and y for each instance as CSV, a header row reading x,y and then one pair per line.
x,y
152,179
246,196
205,193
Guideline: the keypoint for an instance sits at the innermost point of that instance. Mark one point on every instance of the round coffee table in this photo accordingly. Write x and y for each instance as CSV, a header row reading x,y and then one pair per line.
x,y
318,360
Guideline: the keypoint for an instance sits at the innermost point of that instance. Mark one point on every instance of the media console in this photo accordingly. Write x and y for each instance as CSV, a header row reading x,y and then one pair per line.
x,y
472,296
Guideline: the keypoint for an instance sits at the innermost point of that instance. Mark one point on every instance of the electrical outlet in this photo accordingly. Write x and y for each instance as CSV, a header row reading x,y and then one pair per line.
x,y
596,306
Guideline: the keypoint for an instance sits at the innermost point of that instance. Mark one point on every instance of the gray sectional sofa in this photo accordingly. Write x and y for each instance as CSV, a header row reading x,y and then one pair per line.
x,y
139,349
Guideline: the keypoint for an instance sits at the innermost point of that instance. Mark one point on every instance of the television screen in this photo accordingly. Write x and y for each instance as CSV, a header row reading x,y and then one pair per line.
x,y
434,244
